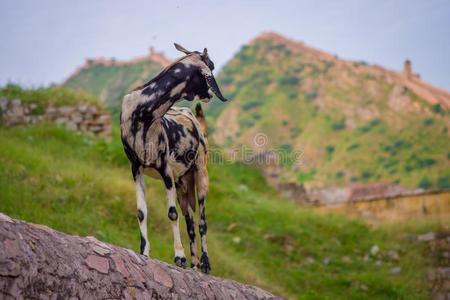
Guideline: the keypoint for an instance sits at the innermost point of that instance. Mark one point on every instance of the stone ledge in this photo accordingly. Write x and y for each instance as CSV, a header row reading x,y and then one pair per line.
x,y
84,118
37,262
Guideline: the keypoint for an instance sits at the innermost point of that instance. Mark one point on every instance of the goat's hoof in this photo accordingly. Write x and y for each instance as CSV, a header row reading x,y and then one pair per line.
x,y
180,262
204,264
195,267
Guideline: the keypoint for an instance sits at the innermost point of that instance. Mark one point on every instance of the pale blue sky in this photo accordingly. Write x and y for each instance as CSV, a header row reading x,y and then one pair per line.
x,y
43,41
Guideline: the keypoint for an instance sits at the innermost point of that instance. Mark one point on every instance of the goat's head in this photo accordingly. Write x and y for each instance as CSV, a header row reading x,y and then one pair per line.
x,y
205,83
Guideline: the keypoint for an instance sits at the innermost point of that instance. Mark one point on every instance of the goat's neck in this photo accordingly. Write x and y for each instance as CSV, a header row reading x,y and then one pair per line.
x,y
153,108
160,107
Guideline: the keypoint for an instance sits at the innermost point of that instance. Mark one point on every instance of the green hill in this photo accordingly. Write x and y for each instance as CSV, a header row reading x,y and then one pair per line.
x,y
111,79
82,185
348,121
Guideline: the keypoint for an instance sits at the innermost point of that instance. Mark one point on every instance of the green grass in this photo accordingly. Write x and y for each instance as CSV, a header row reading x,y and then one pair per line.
x,y
55,96
81,185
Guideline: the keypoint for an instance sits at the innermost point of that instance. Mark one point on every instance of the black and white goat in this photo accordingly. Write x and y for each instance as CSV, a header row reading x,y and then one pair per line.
x,y
166,142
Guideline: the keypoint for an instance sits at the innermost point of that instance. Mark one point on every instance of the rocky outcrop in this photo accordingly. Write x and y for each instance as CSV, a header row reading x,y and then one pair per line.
x,y
83,117
37,262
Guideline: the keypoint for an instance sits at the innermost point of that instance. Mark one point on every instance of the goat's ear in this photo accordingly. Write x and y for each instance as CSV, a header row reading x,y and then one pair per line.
x,y
181,48
205,52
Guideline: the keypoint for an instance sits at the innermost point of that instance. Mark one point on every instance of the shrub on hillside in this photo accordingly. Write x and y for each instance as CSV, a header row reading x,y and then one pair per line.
x,y
425,162
366,175
352,146
427,122
391,162
393,171
292,94
286,147
251,104
363,129
295,131
424,183
354,178
288,80
395,146
340,174
443,182
415,162
286,156
246,123
436,108
374,122
256,115
367,127
329,149
338,125
310,96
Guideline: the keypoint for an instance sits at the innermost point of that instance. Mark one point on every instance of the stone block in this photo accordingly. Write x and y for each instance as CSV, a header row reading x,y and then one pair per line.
x,y
82,108
16,102
92,109
60,120
95,128
50,110
66,110
3,104
71,125
76,117
104,118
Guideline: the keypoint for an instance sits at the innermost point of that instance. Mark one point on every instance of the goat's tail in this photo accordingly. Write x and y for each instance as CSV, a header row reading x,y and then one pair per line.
x,y
201,119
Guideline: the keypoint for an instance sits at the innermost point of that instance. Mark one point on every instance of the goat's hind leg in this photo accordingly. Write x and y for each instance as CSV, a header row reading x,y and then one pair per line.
x,y
142,212
202,183
187,204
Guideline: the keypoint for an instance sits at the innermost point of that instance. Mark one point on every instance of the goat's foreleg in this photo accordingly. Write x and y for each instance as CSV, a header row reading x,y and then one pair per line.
x,y
202,190
171,193
142,213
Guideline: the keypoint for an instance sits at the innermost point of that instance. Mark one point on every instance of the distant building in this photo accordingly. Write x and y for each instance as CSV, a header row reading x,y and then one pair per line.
x,y
407,69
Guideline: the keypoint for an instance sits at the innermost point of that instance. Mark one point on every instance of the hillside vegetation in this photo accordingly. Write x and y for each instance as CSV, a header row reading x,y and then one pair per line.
x,y
49,96
82,185
112,80
351,122
347,121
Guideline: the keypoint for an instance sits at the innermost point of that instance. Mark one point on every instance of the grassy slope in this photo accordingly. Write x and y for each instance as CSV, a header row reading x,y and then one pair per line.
x,y
111,82
302,103
42,97
83,186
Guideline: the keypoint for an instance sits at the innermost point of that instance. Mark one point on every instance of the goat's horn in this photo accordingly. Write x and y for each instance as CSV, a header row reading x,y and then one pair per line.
x,y
211,81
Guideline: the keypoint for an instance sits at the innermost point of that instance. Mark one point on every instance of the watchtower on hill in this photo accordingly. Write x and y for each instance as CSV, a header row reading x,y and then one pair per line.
x,y
407,69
